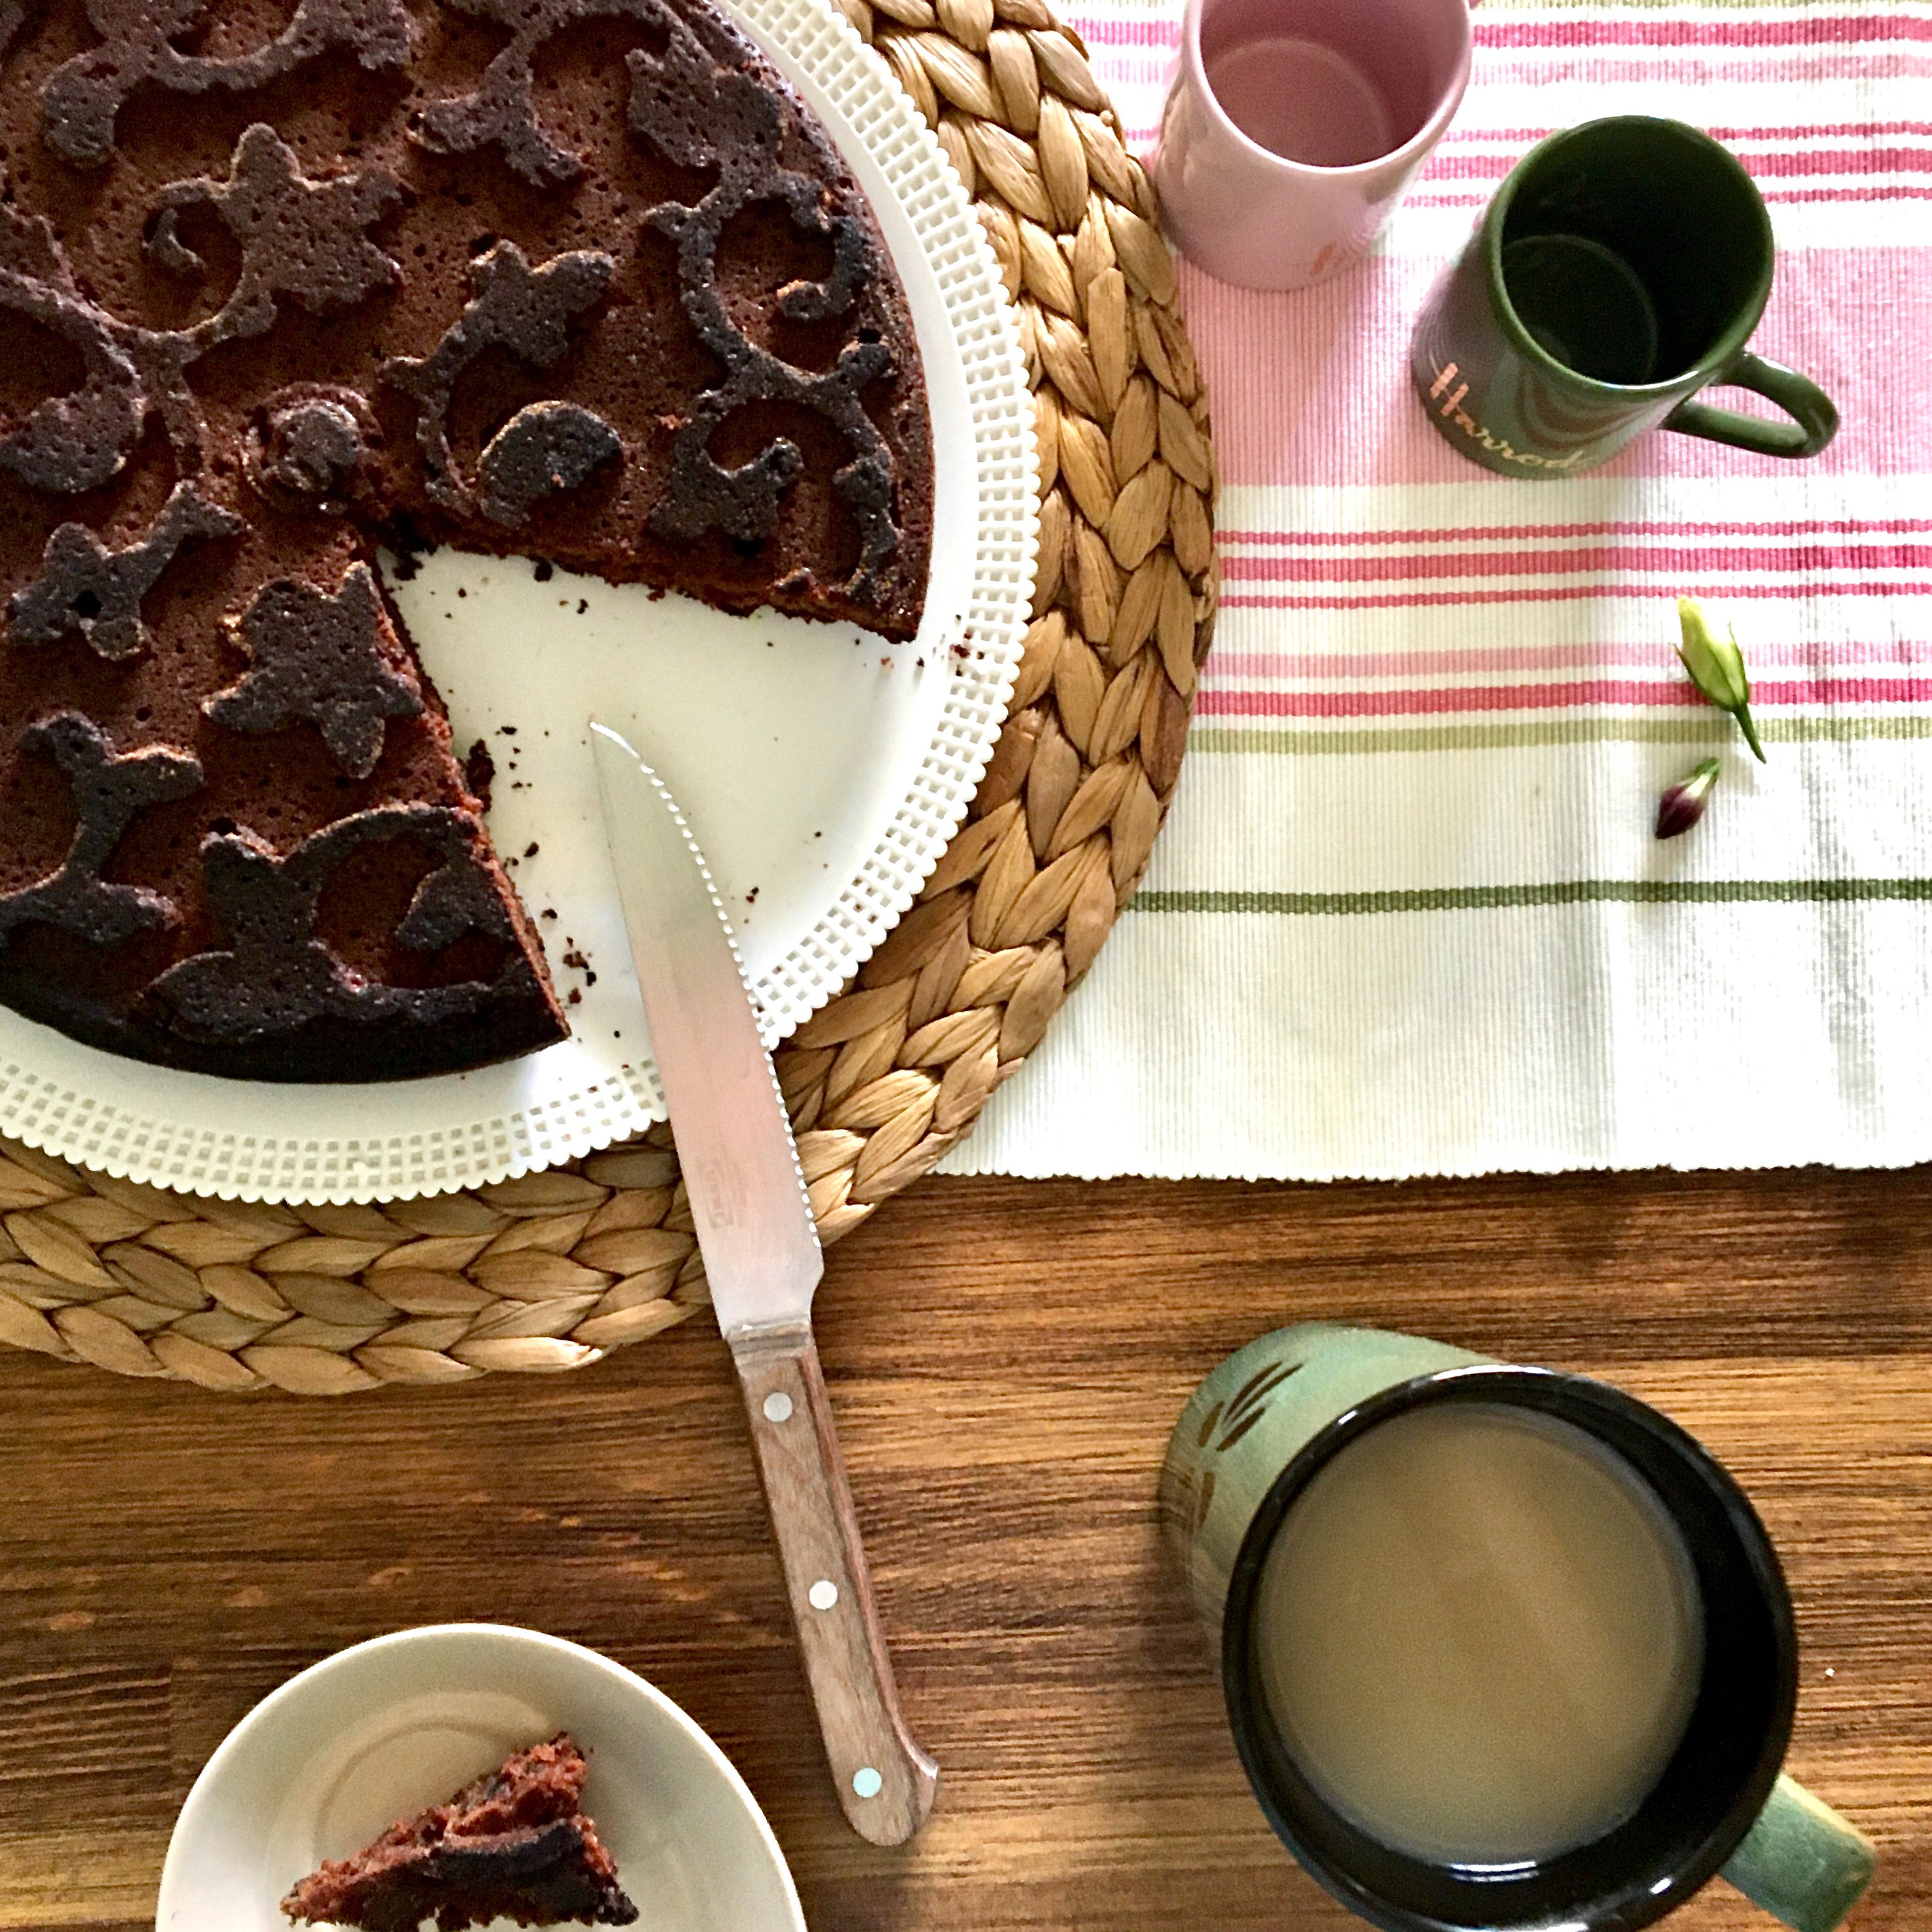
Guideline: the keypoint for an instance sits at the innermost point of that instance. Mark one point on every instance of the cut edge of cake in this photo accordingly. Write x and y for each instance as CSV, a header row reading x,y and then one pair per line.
x,y
218,908
514,1843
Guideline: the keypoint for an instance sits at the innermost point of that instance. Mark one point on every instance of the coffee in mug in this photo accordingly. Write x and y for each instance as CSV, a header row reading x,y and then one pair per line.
x,y
1501,1647
1480,1635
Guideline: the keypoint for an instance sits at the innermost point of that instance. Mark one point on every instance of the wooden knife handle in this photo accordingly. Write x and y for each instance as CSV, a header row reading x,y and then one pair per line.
x,y
885,1782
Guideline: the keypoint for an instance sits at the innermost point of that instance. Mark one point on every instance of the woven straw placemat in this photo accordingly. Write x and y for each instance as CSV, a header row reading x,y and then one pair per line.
x,y
550,1271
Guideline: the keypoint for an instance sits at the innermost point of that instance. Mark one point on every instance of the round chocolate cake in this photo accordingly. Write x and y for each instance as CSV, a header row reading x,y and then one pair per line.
x,y
282,286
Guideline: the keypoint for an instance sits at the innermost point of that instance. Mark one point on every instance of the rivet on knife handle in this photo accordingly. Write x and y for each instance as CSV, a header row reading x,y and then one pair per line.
x,y
885,1782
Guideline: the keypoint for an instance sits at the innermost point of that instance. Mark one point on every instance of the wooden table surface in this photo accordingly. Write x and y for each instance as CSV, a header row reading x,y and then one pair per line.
x,y
1005,1360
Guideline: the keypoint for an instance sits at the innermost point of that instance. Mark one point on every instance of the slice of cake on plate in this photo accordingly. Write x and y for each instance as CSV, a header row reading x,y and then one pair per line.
x,y
513,1845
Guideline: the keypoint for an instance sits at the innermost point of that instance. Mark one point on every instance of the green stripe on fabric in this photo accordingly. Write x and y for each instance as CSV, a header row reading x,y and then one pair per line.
x,y
1558,892
1695,729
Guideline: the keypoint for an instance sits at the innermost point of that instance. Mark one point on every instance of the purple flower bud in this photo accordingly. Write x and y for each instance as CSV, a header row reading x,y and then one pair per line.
x,y
1683,804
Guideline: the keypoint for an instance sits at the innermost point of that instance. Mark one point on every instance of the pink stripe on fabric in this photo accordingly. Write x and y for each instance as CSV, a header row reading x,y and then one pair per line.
x,y
1901,193
1804,30
1781,164
1227,670
1762,163
1129,72
1481,533
1311,387
1568,593
1698,66
1811,692
1424,703
1621,557
1110,30
1475,202
1610,557
1822,130
1799,164
1791,131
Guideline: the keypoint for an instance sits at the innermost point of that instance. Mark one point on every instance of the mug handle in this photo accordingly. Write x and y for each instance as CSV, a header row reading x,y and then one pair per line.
x,y
1802,1862
1814,417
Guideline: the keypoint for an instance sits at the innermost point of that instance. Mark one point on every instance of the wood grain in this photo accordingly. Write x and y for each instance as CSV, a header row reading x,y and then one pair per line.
x,y
1005,1361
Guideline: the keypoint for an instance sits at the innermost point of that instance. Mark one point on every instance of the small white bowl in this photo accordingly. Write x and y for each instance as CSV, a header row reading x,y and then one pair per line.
x,y
339,1753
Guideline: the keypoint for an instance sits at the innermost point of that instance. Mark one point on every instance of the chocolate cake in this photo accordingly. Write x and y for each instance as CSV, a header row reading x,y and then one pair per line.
x,y
282,286
514,1845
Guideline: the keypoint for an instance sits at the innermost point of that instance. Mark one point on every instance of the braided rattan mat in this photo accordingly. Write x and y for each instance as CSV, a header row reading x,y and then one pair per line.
x,y
550,1271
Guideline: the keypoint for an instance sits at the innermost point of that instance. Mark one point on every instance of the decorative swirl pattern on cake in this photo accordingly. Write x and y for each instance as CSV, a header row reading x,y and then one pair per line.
x,y
503,111
331,662
76,442
524,310
307,448
277,975
388,306
95,592
82,99
299,238
543,450
109,792
702,114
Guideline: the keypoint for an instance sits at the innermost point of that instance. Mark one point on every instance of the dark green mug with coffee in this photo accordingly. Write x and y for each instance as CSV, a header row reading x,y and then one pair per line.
x,y
1620,270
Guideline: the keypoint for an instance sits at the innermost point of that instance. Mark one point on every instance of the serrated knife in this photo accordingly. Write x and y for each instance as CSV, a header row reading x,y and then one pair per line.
x,y
762,1259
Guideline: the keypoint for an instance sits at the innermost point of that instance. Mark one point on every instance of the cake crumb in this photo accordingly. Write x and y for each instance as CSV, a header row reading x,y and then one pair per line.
x,y
479,770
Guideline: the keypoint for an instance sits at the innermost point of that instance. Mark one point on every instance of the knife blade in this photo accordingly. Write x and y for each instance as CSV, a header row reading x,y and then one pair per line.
x,y
735,1147
763,1261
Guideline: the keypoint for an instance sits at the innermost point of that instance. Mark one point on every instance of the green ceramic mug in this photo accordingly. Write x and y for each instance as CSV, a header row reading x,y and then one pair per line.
x,y
1620,269
1256,1434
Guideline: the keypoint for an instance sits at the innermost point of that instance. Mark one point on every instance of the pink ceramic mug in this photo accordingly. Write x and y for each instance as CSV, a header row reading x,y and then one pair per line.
x,y
1293,127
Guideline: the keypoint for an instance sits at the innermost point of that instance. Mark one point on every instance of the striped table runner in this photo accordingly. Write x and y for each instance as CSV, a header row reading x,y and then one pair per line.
x,y
1408,917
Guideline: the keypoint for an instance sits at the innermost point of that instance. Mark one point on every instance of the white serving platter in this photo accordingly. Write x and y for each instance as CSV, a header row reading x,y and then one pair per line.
x,y
823,770
379,1731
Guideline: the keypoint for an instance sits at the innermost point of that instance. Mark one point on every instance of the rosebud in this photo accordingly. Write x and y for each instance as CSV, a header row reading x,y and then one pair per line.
x,y
1683,804
1717,668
